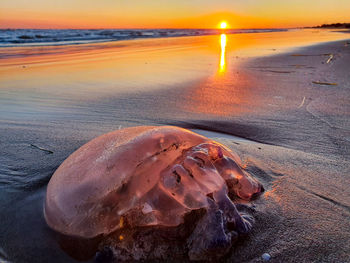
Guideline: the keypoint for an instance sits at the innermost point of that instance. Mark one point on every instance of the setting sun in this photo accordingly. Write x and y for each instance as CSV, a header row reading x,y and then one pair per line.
x,y
223,25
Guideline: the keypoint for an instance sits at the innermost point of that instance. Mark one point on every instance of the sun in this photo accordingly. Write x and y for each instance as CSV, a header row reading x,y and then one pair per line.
x,y
223,25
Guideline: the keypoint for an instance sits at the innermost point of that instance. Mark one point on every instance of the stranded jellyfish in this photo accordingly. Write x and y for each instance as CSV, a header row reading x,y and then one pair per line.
x,y
129,184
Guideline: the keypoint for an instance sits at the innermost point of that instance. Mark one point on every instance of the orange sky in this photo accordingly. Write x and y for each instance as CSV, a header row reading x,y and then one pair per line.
x,y
170,14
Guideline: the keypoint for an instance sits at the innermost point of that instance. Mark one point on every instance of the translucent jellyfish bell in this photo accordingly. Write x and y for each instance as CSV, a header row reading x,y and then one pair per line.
x,y
144,175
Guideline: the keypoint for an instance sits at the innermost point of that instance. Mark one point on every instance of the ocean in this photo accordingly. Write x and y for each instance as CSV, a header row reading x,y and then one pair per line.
x,y
44,37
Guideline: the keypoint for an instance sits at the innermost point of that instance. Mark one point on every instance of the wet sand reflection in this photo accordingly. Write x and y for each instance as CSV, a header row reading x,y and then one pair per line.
x,y
223,40
224,92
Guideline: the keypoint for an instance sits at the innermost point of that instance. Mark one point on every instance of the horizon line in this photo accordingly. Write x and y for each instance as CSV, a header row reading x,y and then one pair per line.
x,y
147,28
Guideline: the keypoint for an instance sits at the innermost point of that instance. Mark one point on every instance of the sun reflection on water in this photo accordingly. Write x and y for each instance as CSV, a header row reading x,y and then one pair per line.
x,y
223,40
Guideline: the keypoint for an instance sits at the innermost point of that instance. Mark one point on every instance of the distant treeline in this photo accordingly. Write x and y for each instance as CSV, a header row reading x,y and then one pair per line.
x,y
335,25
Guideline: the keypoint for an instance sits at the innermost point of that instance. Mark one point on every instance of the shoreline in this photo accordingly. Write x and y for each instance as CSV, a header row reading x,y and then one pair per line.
x,y
211,32
42,51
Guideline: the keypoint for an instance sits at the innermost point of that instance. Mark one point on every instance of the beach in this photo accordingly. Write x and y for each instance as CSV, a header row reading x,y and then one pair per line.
x,y
280,100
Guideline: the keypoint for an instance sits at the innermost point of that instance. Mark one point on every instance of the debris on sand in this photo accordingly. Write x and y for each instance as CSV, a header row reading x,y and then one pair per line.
x,y
310,55
330,58
278,71
41,149
302,103
324,83
266,257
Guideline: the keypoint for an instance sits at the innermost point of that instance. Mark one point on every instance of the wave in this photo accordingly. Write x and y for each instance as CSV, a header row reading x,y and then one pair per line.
x,y
45,37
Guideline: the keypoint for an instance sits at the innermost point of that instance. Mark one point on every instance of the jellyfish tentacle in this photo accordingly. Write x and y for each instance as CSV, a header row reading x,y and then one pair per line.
x,y
242,221
210,238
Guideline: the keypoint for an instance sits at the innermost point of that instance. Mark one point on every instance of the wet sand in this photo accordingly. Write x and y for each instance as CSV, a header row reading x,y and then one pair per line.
x,y
282,100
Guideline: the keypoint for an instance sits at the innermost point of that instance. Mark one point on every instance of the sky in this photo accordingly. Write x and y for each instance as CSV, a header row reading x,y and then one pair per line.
x,y
170,14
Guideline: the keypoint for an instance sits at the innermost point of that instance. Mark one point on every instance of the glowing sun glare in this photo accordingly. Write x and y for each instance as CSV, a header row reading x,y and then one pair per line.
x,y
223,25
